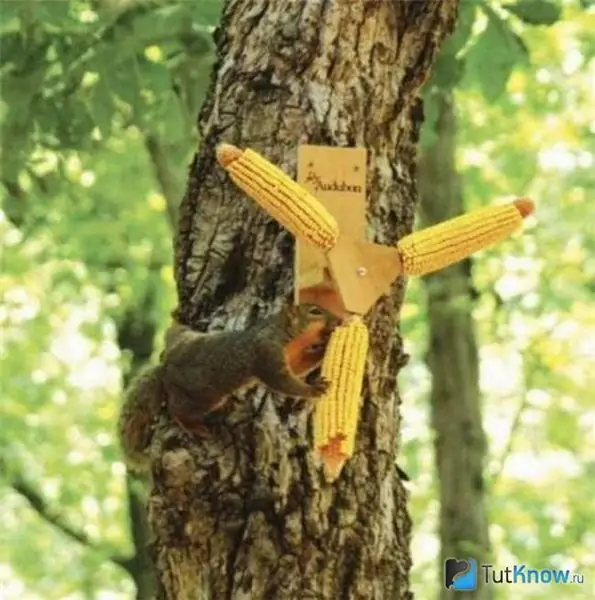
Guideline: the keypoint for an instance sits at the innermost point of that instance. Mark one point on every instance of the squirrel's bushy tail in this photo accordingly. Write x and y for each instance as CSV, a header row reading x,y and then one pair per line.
x,y
141,407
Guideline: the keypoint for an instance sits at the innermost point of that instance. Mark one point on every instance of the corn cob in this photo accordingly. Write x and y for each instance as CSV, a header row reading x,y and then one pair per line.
x,y
284,199
446,243
336,413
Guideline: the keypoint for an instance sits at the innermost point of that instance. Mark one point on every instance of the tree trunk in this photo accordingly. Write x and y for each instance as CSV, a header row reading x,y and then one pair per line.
x,y
246,514
453,361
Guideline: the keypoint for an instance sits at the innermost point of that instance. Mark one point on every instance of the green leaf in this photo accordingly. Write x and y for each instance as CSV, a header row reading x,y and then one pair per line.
x,y
10,25
11,20
52,15
448,71
464,26
208,12
428,130
124,81
102,106
169,21
493,56
562,429
535,12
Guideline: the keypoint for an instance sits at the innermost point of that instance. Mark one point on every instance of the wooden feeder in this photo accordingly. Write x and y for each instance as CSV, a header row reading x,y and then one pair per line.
x,y
337,268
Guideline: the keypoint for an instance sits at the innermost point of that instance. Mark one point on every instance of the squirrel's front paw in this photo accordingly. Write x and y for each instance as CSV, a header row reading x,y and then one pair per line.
x,y
315,353
320,386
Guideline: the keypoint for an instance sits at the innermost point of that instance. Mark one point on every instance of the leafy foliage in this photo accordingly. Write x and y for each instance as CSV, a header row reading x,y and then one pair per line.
x,y
71,74
535,12
485,48
533,317
98,106
492,56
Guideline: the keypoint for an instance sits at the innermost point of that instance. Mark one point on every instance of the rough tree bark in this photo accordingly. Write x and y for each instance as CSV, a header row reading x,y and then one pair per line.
x,y
453,360
246,513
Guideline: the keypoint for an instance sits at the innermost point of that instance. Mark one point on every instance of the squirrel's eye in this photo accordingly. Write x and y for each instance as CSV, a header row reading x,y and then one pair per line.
x,y
314,311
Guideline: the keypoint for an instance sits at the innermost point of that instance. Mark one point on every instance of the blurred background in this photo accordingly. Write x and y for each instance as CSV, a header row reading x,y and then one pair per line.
x,y
99,101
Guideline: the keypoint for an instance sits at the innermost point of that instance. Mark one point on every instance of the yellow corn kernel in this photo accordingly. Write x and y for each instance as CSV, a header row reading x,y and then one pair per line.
x,y
284,199
336,413
441,245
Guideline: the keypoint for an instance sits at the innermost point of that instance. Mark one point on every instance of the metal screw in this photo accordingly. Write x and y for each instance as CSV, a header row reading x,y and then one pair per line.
x,y
362,271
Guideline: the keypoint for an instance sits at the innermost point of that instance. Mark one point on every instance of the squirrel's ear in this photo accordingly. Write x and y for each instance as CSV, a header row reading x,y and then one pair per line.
x,y
292,309
290,299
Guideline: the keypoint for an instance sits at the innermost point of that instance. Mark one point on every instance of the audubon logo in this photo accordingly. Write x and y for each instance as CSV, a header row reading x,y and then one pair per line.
x,y
331,186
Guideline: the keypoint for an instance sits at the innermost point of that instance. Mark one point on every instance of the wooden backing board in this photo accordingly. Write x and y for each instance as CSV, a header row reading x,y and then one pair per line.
x,y
336,177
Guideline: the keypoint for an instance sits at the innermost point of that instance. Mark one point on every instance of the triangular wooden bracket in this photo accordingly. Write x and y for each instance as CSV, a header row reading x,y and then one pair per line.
x,y
362,272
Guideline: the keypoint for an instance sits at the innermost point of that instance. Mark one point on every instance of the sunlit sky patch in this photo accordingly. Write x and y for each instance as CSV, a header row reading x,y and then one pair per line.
x,y
540,468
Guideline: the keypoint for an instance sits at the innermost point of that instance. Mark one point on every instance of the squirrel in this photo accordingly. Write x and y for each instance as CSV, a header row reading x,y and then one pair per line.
x,y
198,372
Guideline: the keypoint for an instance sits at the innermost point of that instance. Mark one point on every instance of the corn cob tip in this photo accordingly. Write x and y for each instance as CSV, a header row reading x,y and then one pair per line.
x,y
352,318
525,206
333,462
227,153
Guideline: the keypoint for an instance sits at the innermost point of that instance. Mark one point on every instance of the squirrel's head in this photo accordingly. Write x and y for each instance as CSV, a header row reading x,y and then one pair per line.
x,y
301,317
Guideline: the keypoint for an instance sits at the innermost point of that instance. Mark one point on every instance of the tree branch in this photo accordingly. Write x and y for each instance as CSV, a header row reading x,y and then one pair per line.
x,y
172,187
523,405
40,505
514,429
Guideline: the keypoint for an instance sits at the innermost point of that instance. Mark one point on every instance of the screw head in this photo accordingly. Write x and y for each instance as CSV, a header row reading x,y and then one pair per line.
x,y
361,271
